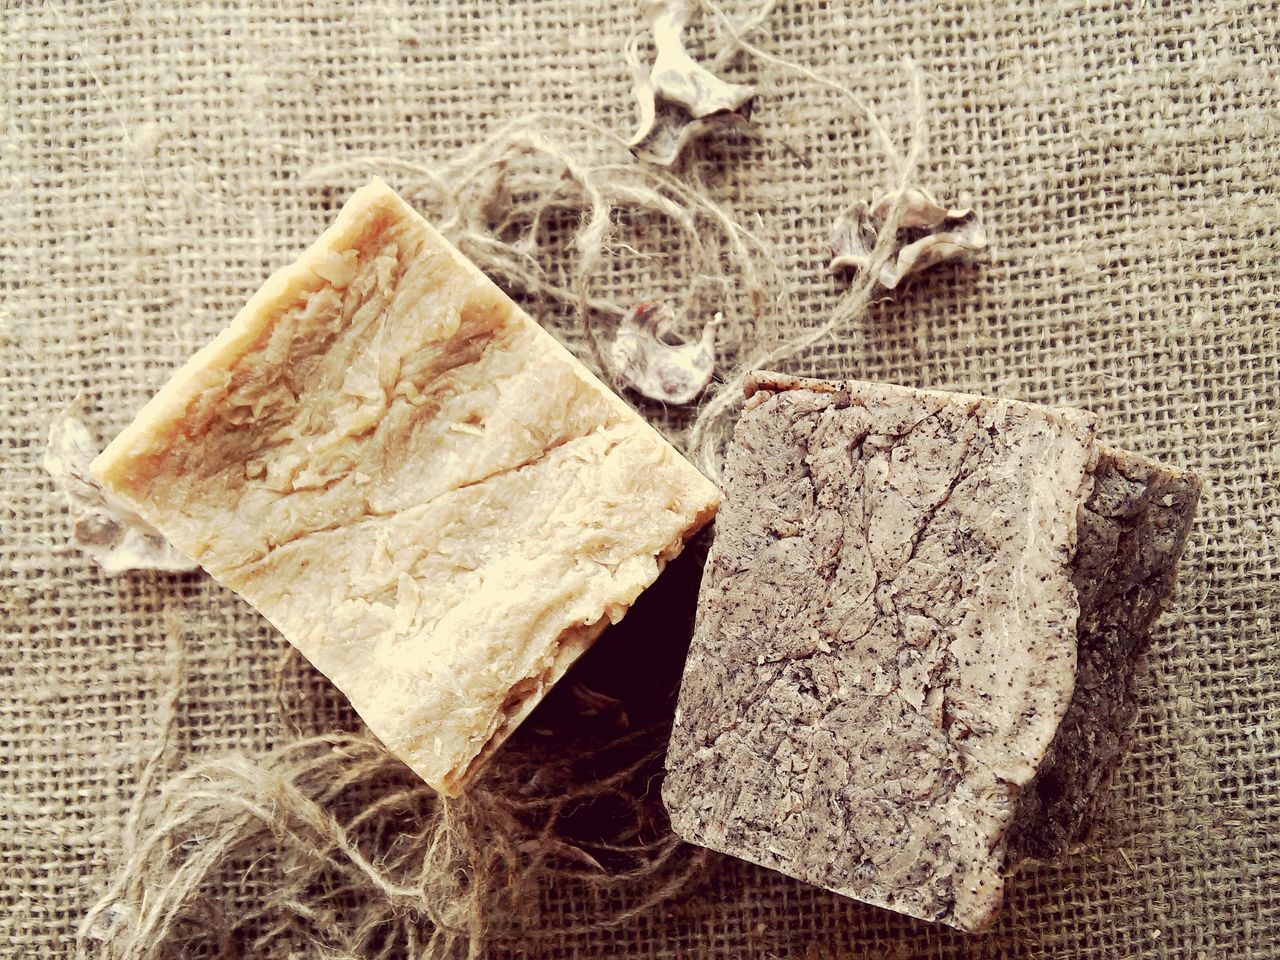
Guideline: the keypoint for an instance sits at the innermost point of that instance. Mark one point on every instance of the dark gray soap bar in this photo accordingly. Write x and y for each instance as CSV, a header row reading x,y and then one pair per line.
x,y
887,640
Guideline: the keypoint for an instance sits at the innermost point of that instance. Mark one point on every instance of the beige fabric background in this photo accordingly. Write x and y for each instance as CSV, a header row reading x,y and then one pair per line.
x,y
1125,156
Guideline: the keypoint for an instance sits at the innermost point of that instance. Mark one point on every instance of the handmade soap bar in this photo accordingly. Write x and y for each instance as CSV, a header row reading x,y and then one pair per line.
x,y
887,636
427,495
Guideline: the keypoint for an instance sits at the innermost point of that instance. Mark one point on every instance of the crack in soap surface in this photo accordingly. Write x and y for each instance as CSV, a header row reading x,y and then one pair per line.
x,y
368,513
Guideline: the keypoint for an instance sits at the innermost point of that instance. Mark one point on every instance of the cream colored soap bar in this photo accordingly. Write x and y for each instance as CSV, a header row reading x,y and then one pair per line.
x,y
427,494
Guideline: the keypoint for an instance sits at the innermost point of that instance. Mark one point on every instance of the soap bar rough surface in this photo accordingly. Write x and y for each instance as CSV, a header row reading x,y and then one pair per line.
x,y
427,495
914,659
885,641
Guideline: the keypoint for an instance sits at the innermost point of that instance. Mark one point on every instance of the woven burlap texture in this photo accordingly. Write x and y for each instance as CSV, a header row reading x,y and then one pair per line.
x,y
1123,155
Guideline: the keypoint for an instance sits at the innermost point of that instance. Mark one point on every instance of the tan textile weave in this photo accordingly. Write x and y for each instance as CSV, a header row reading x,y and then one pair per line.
x,y
1125,158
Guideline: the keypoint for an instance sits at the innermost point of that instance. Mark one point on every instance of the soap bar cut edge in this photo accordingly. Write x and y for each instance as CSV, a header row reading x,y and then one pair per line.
x,y
1133,532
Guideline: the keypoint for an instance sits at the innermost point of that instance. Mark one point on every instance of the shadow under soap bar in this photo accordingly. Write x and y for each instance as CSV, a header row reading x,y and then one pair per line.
x,y
430,497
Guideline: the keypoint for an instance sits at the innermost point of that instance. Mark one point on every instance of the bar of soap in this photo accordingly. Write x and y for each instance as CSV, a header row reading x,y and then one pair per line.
x,y
887,639
416,484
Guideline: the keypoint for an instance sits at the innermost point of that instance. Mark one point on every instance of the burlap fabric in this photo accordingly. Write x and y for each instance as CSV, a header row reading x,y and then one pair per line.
x,y
1125,158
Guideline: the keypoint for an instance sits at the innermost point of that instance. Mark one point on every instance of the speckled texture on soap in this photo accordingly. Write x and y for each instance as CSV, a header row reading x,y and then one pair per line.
x,y
886,639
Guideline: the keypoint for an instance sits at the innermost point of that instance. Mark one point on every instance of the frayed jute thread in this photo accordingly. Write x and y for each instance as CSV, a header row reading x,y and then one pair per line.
x,y
334,818
710,429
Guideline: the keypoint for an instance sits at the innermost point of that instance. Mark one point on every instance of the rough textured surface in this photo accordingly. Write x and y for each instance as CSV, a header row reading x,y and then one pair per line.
x,y
1123,154
1131,534
413,481
886,639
